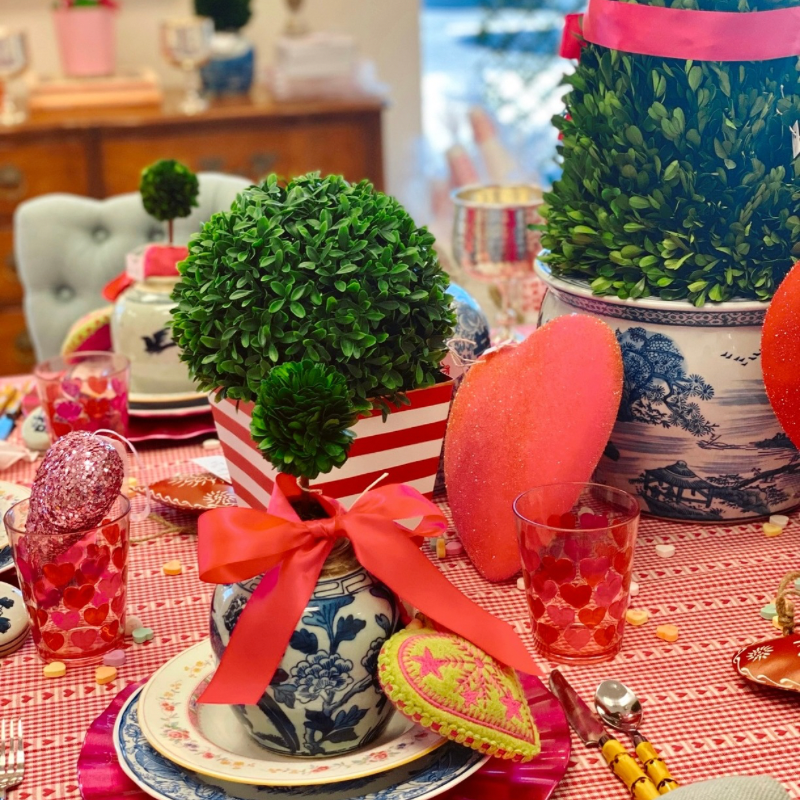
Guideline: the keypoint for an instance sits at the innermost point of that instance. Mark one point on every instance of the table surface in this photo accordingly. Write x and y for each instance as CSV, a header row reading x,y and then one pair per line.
x,y
706,720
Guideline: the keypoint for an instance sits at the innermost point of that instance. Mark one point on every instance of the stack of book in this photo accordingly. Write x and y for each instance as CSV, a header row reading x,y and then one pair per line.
x,y
136,88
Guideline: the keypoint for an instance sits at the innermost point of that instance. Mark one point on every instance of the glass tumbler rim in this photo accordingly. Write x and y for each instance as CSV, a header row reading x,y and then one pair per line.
x,y
126,510
46,370
633,512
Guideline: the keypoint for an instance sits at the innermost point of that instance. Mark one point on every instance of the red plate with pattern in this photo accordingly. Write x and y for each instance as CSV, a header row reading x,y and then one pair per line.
x,y
200,492
773,663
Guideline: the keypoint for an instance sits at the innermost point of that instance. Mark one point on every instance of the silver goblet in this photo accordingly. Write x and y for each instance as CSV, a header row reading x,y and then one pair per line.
x,y
13,61
493,240
186,43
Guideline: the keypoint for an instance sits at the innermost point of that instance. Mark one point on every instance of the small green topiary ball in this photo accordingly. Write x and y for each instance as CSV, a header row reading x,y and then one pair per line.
x,y
301,419
169,190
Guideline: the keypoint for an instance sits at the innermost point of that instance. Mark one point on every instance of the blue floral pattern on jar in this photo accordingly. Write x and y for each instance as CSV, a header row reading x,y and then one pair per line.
x,y
324,697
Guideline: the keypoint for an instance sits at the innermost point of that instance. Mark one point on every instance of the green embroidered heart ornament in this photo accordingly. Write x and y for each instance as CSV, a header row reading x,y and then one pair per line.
x,y
447,684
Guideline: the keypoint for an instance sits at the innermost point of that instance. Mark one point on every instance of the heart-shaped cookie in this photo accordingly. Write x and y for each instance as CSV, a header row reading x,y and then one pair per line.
x,y
528,415
447,684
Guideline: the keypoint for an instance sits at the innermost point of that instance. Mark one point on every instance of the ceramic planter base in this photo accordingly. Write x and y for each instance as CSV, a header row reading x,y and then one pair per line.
x,y
695,438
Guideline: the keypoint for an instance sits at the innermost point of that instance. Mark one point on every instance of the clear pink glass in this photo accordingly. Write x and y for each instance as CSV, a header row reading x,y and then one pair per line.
x,y
84,392
74,585
576,542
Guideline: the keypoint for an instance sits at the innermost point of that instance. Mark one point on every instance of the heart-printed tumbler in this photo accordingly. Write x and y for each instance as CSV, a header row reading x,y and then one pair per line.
x,y
576,542
74,584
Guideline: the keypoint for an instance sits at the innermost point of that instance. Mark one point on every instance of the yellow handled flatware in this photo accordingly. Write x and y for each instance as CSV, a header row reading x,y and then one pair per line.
x,y
592,733
619,707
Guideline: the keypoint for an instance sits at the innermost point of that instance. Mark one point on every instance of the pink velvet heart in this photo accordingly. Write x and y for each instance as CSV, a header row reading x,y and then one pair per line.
x,y
537,413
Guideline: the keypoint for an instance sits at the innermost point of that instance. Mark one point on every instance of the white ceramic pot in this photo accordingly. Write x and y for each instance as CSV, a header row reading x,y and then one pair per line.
x,y
696,438
140,330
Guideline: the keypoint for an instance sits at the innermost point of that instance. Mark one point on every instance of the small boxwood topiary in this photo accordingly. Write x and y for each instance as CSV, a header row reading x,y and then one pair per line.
x,y
679,179
320,270
169,190
228,15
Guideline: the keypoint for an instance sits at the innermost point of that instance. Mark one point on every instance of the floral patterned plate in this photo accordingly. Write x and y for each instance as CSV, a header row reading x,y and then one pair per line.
x,y
423,779
210,739
10,493
200,492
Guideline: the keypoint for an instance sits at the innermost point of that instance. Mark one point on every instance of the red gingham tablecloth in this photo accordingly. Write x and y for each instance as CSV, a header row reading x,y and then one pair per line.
x,y
705,719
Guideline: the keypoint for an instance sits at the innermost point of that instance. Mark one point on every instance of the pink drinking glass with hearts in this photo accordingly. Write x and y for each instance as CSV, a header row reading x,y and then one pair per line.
x,y
84,391
74,584
576,541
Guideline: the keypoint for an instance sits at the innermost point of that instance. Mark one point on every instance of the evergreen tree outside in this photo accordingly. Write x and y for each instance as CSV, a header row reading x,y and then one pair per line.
x,y
679,180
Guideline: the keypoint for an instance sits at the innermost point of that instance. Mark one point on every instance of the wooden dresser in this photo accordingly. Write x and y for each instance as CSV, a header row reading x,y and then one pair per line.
x,y
101,152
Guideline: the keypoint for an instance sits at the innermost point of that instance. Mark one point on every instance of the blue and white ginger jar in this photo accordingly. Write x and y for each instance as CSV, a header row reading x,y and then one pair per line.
x,y
325,697
696,438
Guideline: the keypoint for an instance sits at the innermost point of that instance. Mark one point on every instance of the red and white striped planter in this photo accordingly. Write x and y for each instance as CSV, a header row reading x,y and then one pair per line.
x,y
407,446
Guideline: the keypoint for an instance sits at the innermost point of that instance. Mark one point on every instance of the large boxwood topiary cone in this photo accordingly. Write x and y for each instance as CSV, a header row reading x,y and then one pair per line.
x,y
679,179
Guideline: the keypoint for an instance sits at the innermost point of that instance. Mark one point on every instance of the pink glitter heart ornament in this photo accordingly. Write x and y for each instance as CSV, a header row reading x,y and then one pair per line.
x,y
528,415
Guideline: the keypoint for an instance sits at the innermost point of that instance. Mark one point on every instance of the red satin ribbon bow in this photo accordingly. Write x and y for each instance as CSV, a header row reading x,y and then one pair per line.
x,y
572,41
236,544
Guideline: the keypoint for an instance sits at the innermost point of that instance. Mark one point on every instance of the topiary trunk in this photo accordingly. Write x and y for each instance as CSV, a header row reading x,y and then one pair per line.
x,y
679,179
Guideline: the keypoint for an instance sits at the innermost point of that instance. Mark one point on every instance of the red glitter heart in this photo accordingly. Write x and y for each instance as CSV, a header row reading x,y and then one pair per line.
x,y
59,574
77,597
576,596
96,616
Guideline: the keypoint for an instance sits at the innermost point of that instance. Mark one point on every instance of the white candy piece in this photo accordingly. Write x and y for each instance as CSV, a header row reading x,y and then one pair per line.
x,y
665,550
634,589
210,444
132,623
780,520
521,584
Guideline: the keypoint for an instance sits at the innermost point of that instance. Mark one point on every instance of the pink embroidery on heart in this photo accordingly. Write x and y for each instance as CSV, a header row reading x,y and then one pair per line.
x,y
83,639
428,665
513,707
607,591
561,616
66,621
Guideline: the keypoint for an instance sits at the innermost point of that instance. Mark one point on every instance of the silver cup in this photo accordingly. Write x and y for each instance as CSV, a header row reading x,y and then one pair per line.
x,y
493,240
186,43
13,62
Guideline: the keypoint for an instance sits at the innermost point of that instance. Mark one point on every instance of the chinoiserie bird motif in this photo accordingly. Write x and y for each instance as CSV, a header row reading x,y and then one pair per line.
x,y
158,342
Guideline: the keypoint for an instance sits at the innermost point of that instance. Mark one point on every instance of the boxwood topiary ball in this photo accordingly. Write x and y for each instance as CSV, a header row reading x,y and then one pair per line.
x,y
320,269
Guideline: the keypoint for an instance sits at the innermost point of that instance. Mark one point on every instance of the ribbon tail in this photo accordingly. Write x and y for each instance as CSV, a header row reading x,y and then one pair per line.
x,y
276,606
407,571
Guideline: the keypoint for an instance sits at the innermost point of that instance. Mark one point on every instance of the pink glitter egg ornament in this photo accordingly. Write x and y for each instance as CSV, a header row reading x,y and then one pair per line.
x,y
76,484
536,413
780,354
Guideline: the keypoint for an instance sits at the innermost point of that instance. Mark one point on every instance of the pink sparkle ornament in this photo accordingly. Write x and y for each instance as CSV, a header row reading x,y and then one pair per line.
x,y
780,354
75,485
528,415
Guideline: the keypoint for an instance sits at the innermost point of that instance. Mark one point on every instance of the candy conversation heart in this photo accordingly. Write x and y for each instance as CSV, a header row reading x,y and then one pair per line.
x,y
447,684
536,413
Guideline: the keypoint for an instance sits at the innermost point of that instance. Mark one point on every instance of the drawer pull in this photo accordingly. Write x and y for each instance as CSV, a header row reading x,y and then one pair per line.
x,y
11,263
11,178
262,163
24,347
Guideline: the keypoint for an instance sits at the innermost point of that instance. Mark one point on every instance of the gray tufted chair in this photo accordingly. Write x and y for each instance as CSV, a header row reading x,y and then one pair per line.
x,y
68,247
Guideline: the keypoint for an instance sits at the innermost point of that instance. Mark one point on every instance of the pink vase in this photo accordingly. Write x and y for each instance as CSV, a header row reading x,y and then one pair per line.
x,y
86,40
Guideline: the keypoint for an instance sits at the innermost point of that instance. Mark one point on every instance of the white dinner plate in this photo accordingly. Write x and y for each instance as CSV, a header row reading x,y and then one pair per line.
x,y
182,404
10,493
210,739
423,779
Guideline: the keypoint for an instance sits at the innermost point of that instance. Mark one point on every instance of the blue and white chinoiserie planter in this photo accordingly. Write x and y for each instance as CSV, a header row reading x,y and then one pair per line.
x,y
325,697
695,438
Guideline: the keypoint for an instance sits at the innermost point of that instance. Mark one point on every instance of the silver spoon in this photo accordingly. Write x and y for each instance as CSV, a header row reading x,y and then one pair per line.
x,y
619,707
